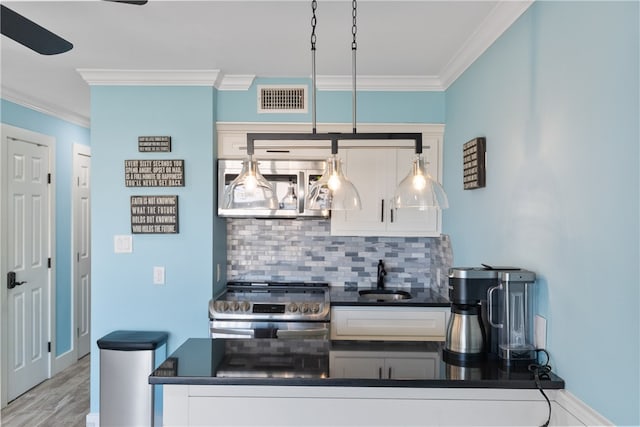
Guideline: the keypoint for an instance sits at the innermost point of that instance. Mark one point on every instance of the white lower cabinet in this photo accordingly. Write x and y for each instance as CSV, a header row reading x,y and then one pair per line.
x,y
389,323
229,405
382,365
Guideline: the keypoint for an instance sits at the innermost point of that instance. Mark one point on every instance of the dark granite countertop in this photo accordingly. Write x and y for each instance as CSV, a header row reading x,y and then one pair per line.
x,y
421,297
267,362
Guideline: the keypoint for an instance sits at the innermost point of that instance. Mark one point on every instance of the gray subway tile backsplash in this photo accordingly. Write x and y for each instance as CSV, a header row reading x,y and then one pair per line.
x,y
305,250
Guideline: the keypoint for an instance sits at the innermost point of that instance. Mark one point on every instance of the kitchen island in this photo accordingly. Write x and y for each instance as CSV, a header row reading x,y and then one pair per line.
x,y
292,382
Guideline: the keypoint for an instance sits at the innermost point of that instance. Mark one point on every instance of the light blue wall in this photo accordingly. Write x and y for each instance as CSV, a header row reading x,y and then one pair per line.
x,y
123,294
557,99
66,134
335,106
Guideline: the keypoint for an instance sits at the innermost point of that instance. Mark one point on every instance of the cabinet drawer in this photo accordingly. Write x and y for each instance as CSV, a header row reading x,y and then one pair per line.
x,y
232,142
388,323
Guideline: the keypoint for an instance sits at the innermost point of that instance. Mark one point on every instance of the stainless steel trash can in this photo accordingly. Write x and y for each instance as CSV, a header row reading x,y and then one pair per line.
x,y
127,358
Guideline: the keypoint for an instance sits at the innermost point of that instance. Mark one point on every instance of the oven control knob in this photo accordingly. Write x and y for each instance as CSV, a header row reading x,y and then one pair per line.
x,y
292,307
315,308
220,306
304,308
245,306
235,306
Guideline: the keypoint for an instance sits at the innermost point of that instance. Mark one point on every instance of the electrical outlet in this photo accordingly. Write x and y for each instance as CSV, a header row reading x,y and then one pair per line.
x,y
158,275
540,332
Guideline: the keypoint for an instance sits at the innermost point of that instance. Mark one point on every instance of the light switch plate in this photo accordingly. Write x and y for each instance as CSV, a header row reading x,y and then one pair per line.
x,y
158,275
540,332
123,244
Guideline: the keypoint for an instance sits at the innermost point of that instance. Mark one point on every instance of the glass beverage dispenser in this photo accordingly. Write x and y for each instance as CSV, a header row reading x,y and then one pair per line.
x,y
513,299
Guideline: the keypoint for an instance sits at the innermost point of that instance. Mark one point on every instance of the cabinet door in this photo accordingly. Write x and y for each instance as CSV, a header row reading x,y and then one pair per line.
x,y
407,368
376,172
368,170
389,323
356,367
383,365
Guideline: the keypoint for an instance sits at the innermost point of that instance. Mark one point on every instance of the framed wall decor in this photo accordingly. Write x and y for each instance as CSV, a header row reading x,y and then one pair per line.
x,y
473,163
154,214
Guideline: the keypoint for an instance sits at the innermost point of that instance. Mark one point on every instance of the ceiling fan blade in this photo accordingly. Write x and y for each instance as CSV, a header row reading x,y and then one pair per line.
x,y
136,2
30,34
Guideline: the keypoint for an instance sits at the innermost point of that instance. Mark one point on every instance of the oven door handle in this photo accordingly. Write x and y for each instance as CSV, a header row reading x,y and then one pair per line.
x,y
302,333
230,331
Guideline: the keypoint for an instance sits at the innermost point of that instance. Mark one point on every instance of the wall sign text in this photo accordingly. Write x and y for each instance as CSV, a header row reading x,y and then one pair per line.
x,y
154,214
473,166
154,144
154,173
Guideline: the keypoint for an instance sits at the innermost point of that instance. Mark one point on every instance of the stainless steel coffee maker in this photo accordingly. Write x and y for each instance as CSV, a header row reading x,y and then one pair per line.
x,y
492,311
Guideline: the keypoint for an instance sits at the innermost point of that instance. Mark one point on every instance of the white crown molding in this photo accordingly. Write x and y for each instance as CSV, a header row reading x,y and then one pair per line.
x,y
236,82
105,77
503,15
380,83
44,107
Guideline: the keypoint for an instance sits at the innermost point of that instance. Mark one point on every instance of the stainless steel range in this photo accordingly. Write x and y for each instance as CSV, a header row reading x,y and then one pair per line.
x,y
271,310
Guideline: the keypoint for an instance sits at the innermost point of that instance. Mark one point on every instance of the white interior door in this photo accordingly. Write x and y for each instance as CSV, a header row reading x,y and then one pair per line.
x,y
82,247
27,258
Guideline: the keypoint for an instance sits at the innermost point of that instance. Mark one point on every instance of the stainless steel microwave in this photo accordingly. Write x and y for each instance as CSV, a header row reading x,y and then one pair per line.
x,y
284,176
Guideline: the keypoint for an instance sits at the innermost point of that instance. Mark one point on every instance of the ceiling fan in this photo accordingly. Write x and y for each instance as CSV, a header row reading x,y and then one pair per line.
x,y
36,37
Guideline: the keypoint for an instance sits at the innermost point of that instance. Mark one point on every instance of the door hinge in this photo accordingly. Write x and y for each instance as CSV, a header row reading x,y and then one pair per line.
x,y
49,347
48,262
48,178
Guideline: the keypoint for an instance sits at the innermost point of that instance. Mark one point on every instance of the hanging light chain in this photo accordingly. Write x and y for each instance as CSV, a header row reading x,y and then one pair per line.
x,y
354,27
314,22
354,47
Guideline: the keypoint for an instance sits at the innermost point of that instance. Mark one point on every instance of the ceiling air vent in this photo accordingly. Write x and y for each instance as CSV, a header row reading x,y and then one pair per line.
x,y
282,99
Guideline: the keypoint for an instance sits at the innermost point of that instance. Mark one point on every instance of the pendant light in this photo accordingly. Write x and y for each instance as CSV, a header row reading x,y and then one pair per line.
x,y
419,190
333,190
250,190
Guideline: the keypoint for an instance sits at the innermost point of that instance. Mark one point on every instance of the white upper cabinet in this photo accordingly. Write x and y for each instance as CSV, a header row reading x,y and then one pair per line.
x,y
376,168
232,141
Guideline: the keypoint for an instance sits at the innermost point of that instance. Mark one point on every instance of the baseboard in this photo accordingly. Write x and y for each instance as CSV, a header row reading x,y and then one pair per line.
x,y
93,419
587,415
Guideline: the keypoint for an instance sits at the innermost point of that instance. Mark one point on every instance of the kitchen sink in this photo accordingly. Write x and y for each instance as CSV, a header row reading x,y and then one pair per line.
x,y
384,295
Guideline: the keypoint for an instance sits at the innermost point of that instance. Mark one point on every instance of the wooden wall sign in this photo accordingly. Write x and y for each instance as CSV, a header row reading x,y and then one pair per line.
x,y
154,144
473,166
154,214
154,173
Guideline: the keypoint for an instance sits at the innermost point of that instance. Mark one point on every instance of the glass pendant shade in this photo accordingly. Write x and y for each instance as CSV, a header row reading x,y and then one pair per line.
x,y
333,190
419,190
250,190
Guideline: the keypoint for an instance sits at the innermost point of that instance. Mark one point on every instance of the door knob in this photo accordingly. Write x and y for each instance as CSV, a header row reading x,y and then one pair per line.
x,y
11,280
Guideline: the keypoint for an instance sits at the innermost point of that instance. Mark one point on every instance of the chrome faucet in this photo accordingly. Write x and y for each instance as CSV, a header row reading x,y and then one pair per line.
x,y
381,273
